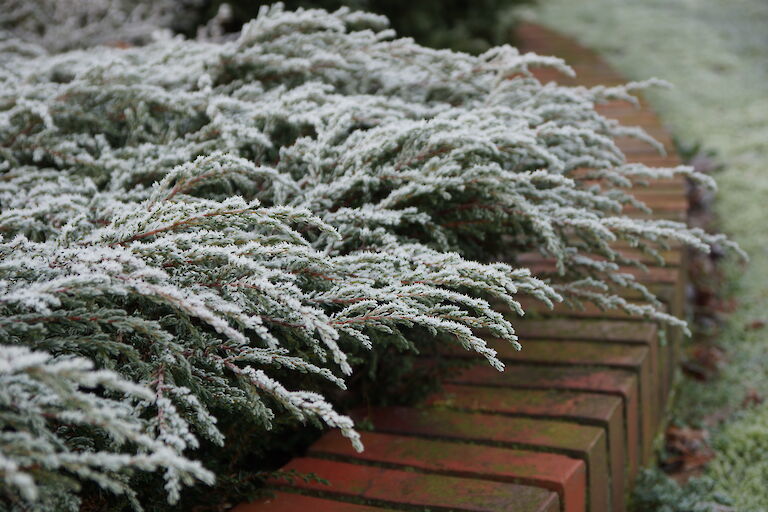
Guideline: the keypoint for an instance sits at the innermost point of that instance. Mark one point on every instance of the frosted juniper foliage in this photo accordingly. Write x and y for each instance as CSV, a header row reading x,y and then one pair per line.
x,y
230,225
59,25
39,395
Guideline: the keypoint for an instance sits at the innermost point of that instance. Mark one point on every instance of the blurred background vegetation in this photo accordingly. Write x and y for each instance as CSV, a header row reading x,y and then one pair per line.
x,y
463,25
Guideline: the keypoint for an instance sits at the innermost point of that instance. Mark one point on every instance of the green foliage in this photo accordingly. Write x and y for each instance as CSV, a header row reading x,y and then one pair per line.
x,y
657,492
741,462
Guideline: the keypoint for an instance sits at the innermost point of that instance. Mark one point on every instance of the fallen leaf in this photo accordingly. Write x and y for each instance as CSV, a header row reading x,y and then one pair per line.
x,y
688,450
752,398
704,362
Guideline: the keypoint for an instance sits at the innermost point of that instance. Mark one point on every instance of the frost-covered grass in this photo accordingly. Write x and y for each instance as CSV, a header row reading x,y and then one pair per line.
x,y
715,53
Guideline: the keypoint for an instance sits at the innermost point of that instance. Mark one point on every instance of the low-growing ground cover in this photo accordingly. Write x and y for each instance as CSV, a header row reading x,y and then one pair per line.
x,y
715,54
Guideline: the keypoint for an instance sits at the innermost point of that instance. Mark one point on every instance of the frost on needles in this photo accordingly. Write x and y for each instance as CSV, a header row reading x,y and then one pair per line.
x,y
183,221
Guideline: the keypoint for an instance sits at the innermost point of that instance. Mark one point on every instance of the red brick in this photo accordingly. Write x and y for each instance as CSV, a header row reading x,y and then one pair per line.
x,y
644,360
586,442
585,329
677,216
591,408
652,372
671,257
649,275
660,204
594,353
619,383
656,160
672,244
558,473
535,38
668,283
612,330
671,185
546,75
291,502
609,354
559,353
631,146
656,197
421,490
624,109
666,293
